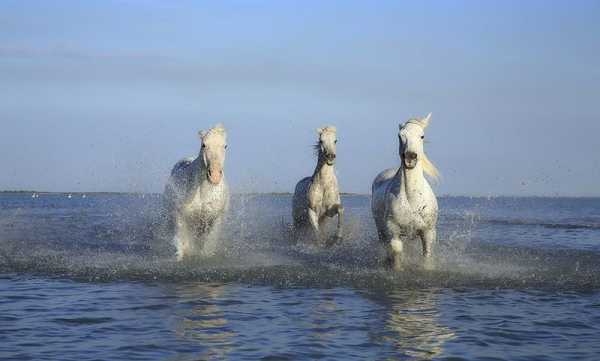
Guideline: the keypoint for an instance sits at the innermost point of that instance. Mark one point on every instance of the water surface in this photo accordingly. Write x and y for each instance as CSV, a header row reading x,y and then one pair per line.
x,y
94,279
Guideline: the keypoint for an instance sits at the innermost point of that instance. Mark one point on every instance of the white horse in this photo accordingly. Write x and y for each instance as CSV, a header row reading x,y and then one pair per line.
x,y
197,196
403,203
318,197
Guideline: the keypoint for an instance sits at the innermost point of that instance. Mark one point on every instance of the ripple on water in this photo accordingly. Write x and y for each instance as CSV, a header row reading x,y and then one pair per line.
x,y
82,321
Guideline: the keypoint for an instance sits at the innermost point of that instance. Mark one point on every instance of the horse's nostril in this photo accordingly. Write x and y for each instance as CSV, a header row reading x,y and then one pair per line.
x,y
411,155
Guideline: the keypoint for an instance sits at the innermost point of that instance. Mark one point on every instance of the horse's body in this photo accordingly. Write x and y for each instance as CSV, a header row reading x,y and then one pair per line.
x,y
403,203
196,196
318,197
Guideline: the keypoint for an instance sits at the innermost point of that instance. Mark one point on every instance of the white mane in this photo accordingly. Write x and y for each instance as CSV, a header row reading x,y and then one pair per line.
x,y
429,168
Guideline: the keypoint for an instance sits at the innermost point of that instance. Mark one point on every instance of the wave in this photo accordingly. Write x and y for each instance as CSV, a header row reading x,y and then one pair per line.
x,y
536,223
583,224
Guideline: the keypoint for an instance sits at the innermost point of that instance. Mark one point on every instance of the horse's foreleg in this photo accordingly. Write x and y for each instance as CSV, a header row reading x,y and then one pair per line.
x,y
428,237
395,245
313,218
209,248
395,253
181,240
340,225
381,233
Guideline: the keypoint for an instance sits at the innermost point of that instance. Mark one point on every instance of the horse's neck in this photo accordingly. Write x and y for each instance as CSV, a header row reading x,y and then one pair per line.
x,y
412,181
324,174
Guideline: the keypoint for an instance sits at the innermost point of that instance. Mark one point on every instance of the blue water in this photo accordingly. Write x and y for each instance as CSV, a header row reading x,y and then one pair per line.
x,y
94,279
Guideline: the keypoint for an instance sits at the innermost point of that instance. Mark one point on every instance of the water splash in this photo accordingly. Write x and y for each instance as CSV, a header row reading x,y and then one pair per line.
x,y
116,239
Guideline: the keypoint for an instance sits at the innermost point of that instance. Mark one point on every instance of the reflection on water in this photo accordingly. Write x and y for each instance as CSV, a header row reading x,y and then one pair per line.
x,y
412,325
202,321
220,321
321,331
46,319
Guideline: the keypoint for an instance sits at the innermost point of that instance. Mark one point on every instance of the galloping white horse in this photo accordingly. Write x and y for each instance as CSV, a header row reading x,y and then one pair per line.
x,y
403,203
197,196
318,197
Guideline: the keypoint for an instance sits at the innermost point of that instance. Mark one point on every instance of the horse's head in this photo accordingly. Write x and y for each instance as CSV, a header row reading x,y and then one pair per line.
x,y
327,144
412,138
214,143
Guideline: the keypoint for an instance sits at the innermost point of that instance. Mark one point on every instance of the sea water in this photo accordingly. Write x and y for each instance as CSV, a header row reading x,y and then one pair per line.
x,y
95,278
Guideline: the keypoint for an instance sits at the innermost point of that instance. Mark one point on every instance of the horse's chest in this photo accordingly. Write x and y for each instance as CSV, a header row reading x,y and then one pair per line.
x,y
331,198
205,205
324,199
405,214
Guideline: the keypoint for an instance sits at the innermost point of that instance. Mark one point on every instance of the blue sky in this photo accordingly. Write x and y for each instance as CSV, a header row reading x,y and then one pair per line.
x,y
108,95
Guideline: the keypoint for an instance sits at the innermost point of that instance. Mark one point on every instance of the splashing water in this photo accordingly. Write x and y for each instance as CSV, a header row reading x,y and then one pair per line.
x,y
113,237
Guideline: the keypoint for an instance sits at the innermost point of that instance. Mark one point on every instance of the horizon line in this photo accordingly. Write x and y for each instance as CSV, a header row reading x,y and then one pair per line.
x,y
445,195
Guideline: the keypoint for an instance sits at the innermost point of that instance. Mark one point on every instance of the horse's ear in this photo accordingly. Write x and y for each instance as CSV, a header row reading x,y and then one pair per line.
x,y
202,134
425,121
319,131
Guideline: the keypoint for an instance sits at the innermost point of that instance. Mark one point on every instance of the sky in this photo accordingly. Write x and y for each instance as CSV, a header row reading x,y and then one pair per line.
x,y
108,95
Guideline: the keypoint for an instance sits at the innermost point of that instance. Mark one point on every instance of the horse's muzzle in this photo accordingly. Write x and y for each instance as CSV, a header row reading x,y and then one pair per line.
x,y
410,159
330,159
214,175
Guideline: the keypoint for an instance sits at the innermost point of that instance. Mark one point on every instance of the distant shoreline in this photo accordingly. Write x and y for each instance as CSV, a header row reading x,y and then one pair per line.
x,y
73,193
41,193
155,193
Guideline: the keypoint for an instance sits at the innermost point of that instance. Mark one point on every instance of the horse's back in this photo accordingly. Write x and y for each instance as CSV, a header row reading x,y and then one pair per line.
x,y
177,184
181,165
300,200
379,190
180,173
381,181
302,185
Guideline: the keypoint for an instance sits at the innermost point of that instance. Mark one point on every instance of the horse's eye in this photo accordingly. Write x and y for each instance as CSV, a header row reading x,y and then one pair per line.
x,y
203,145
225,146
335,141
422,137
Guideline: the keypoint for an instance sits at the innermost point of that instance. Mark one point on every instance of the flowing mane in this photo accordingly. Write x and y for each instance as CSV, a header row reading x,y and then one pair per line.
x,y
316,148
429,168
